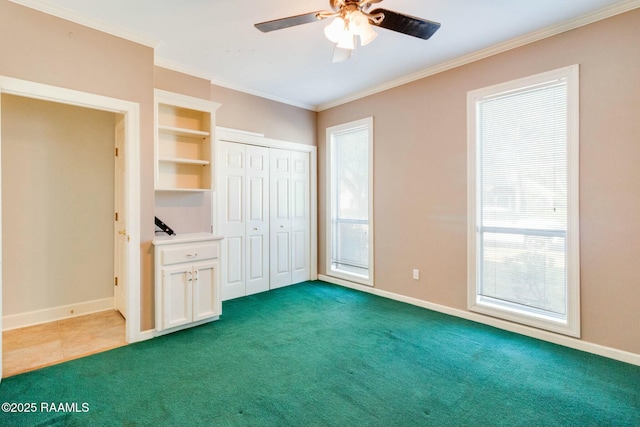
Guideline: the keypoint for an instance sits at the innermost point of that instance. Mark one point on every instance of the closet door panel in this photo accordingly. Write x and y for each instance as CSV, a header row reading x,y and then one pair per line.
x,y
234,256
232,217
300,217
259,258
280,183
299,250
283,252
257,225
234,206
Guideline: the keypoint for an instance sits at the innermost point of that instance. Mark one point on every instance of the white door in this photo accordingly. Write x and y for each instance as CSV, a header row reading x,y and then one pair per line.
x,y
300,219
232,217
177,296
280,224
206,301
257,219
120,244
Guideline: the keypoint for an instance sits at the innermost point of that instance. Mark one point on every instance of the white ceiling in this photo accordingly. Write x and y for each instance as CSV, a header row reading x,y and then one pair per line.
x,y
216,39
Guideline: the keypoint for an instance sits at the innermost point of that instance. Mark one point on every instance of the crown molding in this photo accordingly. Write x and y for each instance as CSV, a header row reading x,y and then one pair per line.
x,y
68,15
265,95
552,30
180,68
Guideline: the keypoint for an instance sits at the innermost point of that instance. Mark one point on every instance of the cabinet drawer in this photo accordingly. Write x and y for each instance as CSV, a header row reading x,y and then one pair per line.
x,y
188,254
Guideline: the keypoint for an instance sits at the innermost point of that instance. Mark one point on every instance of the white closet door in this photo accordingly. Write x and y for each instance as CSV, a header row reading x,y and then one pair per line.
x,y
280,224
257,219
232,217
300,220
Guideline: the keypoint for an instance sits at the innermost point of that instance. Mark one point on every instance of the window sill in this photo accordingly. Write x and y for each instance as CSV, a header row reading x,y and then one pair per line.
x,y
505,311
351,277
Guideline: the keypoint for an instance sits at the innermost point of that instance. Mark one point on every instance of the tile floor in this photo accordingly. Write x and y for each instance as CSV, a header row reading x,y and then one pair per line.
x,y
42,345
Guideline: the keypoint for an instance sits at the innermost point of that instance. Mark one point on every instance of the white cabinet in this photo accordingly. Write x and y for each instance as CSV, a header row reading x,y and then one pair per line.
x,y
187,277
264,216
184,144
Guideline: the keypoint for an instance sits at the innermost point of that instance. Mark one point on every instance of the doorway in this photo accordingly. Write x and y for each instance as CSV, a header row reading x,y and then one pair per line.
x,y
127,115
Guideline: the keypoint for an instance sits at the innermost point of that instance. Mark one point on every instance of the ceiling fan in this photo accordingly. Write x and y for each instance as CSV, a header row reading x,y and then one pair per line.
x,y
353,19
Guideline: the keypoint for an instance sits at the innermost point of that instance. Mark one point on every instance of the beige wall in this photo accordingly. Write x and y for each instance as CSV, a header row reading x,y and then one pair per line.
x,y
58,204
420,174
273,119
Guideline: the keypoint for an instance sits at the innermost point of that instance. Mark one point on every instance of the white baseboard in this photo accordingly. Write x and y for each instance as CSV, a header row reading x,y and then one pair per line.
x,y
612,353
31,318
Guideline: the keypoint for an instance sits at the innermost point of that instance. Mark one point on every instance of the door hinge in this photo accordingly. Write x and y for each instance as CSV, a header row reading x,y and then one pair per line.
x,y
116,216
116,281
117,152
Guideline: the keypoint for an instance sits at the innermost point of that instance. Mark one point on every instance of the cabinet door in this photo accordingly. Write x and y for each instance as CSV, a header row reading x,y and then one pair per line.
x,y
280,242
206,299
232,217
176,296
257,230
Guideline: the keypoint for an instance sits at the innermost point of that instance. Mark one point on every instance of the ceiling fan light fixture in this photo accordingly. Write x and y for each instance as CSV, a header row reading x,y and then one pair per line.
x,y
367,34
358,22
367,38
346,41
336,30
360,25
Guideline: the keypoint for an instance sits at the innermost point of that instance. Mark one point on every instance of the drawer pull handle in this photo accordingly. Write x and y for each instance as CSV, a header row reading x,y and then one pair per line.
x,y
192,255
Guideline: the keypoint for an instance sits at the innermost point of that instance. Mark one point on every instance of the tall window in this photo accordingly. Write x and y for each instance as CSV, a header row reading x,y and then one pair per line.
x,y
350,201
523,201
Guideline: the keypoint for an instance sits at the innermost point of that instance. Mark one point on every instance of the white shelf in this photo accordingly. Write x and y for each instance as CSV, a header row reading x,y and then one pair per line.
x,y
184,146
185,190
184,161
183,131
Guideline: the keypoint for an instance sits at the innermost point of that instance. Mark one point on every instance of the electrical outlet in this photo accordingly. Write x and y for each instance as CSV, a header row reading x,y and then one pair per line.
x,y
416,274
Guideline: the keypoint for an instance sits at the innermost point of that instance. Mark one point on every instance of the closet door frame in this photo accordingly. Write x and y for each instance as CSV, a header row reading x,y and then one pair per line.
x,y
251,138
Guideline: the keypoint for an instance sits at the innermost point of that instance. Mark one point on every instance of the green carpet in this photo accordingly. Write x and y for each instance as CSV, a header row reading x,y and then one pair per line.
x,y
316,354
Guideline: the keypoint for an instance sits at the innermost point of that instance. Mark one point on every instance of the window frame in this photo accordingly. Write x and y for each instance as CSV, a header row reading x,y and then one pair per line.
x,y
477,303
366,123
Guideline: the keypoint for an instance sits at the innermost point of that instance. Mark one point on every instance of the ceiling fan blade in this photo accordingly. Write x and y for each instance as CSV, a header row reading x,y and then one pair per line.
x,y
278,24
416,27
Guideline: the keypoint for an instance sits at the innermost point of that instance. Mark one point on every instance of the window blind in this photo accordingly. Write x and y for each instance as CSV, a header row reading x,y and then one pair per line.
x,y
522,195
350,166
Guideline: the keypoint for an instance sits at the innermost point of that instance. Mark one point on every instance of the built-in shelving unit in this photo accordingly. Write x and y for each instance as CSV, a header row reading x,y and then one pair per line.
x,y
184,143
